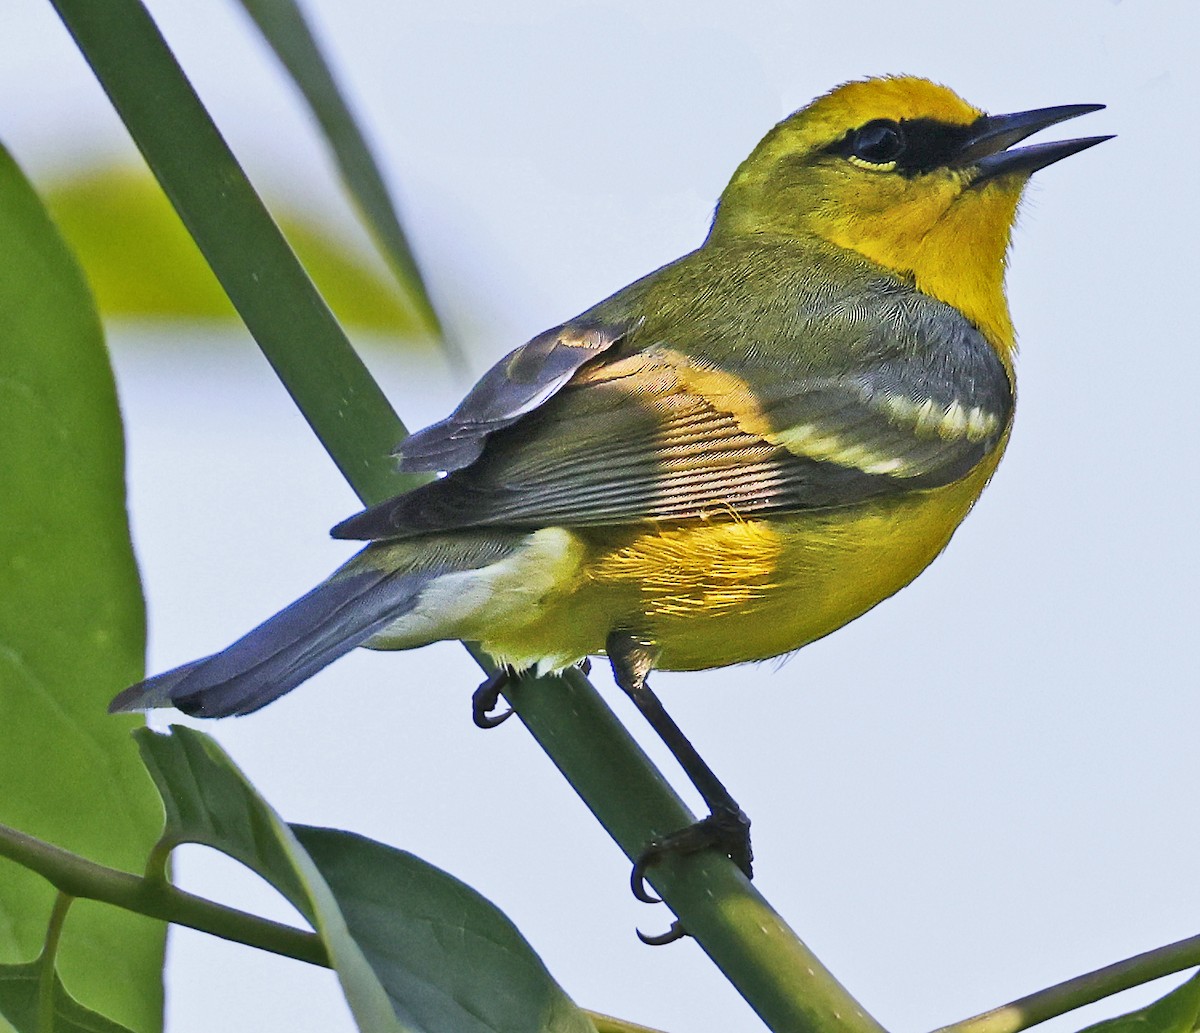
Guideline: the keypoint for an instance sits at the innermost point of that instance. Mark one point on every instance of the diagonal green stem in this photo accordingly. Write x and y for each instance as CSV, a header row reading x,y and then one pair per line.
x,y
780,978
1083,990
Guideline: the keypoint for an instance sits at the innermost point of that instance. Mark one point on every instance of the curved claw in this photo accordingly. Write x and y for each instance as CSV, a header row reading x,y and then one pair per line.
x,y
676,932
486,698
637,878
486,720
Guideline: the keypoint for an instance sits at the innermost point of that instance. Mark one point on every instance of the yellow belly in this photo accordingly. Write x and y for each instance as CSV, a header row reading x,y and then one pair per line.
x,y
721,593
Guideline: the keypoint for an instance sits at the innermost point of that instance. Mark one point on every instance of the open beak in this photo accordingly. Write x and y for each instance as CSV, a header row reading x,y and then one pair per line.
x,y
987,147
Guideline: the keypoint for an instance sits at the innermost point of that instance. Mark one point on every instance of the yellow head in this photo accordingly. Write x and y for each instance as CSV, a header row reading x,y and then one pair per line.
x,y
908,174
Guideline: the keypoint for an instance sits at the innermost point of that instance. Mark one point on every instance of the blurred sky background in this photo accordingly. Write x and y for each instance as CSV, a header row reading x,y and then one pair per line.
x,y
984,786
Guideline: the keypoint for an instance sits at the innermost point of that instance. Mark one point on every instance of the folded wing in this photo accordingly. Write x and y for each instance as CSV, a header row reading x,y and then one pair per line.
x,y
619,434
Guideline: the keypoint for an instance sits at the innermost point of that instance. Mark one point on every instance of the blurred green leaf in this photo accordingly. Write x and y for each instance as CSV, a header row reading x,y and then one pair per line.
x,y
242,244
285,30
415,949
142,262
20,989
72,626
449,959
1178,1012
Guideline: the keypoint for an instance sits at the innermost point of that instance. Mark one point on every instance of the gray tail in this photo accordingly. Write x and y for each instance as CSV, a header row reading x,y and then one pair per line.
x,y
356,603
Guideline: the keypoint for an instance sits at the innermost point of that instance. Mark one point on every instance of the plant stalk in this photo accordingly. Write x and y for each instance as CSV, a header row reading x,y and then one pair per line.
x,y
1083,990
76,876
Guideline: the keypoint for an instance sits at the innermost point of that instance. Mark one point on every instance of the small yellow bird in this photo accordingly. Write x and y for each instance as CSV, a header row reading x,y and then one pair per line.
x,y
729,458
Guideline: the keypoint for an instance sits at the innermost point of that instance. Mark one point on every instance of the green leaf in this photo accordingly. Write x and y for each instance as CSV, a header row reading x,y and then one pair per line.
x,y
20,1000
141,261
282,24
72,627
415,949
209,801
450,960
1178,1012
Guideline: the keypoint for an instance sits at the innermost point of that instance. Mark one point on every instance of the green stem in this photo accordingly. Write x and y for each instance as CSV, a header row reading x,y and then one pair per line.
x,y
76,876
609,1024
300,338
779,977
54,928
1083,990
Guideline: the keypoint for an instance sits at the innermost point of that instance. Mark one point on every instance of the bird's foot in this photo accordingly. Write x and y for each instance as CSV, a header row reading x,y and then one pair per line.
x,y
486,698
725,831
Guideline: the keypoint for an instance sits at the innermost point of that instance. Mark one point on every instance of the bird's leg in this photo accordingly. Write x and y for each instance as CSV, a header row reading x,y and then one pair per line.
x,y
726,828
486,698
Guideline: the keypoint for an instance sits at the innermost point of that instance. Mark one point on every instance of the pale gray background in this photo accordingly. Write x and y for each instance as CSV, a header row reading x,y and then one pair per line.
x,y
985,785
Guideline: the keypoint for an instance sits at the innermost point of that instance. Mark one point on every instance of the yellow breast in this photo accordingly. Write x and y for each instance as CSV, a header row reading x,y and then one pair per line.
x,y
719,593
725,593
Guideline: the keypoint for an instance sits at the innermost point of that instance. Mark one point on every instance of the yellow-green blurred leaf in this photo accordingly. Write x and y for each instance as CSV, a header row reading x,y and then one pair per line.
x,y
284,27
141,262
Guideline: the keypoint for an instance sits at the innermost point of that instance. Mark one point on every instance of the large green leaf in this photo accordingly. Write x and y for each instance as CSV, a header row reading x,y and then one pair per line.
x,y
141,261
415,949
72,628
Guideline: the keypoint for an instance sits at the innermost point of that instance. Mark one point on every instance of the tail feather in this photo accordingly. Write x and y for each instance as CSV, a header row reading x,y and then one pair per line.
x,y
287,649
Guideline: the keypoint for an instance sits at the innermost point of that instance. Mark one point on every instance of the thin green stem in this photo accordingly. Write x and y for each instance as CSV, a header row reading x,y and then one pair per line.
x,y
609,1024
1083,990
54,928
76,876
776,973
158,862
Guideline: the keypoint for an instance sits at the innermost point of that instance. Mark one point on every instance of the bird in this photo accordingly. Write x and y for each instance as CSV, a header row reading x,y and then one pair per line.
x,y
722,462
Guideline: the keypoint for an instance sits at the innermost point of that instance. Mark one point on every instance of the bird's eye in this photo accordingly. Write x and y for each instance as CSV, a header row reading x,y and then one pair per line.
x,y
877,143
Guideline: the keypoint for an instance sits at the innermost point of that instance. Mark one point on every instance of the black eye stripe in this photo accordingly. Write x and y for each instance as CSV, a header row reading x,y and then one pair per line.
x,y
924,143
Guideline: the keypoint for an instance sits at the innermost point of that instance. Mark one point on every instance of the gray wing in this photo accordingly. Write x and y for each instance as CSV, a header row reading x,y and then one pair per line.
x,y
660,435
